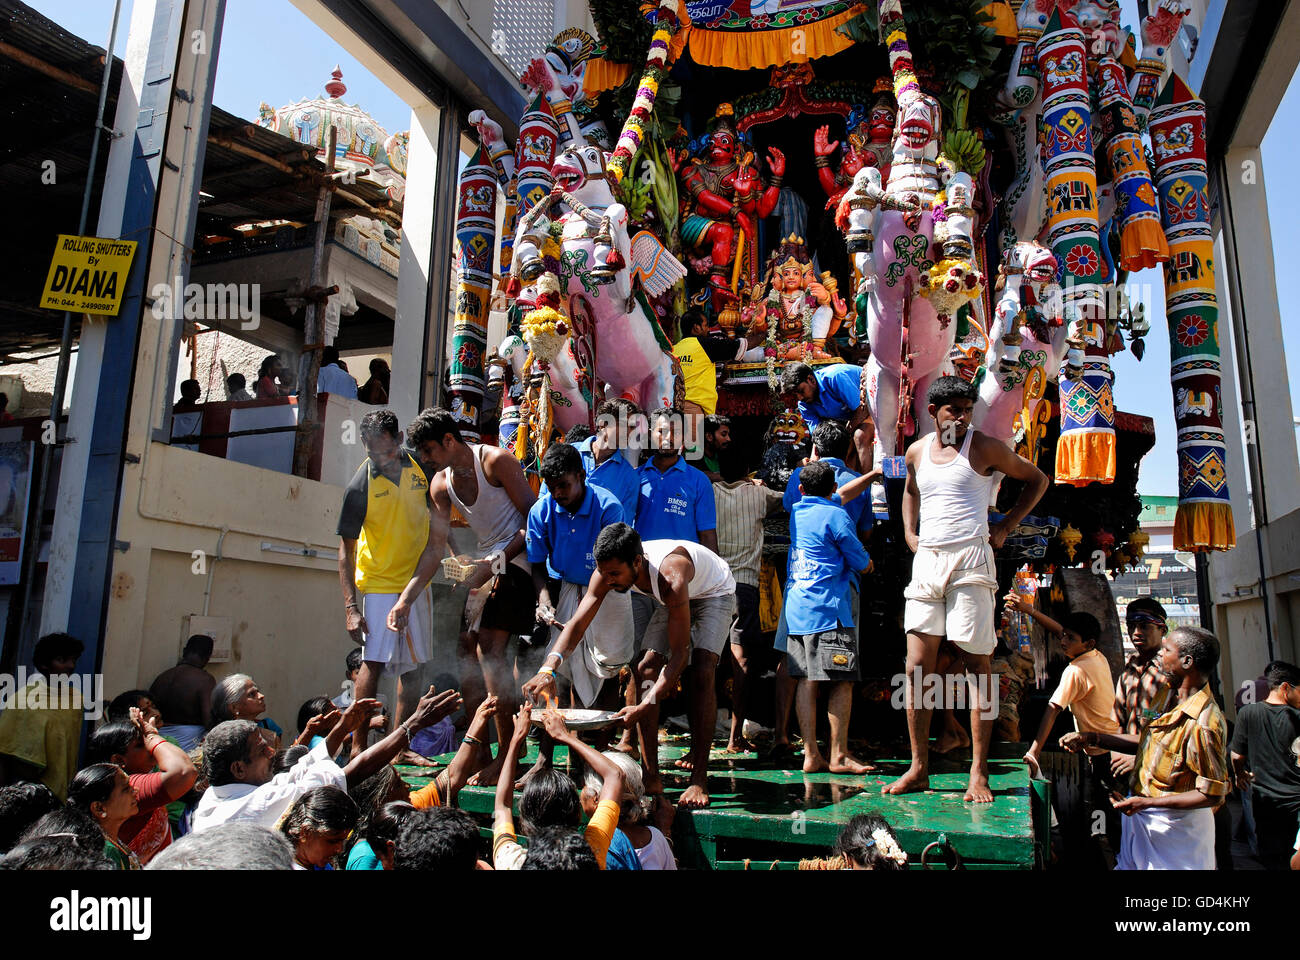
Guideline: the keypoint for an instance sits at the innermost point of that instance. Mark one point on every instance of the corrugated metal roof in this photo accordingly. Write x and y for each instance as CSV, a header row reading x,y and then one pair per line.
x,y
51,120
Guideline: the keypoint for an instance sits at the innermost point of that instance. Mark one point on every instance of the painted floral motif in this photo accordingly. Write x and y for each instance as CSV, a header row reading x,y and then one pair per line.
x,y
1192,330
1082,261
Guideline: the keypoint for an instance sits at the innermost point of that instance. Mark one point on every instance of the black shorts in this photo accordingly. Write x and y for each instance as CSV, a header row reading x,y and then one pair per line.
x,y
512,606
746,627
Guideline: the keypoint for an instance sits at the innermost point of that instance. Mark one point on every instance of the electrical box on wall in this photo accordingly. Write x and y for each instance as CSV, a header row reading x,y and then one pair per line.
x,y
218,628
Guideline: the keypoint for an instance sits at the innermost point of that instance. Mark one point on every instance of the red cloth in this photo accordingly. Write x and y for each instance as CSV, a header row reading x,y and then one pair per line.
x,y
149,830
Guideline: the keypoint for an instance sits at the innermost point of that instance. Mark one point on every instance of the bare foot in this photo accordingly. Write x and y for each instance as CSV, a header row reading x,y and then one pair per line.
x,y
487,777
684,763
978,791
694,798
653,782
541,764
629,748
814,763
913,781
851,764
740,746
411,758
950,740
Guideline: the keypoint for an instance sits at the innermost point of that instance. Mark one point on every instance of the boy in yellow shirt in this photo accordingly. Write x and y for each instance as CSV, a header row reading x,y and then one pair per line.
x,y
1085,689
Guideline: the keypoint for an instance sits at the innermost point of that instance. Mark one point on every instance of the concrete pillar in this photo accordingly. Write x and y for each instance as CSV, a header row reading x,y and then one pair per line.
x,y
150,195
419,243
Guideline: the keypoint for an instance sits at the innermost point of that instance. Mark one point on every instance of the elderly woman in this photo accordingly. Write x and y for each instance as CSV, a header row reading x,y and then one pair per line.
x,y
238,698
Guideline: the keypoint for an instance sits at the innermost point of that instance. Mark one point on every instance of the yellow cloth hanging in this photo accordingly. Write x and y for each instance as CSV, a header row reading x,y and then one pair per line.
x,y
601,75
769,597
1142,245
1002,20
1082,458
1204,526
760,49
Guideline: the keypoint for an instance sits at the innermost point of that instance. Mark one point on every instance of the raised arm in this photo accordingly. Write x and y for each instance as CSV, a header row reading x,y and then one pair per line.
x,y
433,706
503,817
178,772
1015,603
469,758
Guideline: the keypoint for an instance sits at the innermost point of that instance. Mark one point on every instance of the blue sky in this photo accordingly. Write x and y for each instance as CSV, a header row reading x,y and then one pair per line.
x,y
272,52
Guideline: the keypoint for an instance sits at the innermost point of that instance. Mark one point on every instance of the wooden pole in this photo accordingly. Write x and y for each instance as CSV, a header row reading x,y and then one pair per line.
x,y
312,326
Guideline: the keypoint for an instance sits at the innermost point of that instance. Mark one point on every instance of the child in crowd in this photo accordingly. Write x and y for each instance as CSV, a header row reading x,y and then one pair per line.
x,y
103,792
351,666
652,849
550,799
1085,688
868,843
374,851
318,825
822,648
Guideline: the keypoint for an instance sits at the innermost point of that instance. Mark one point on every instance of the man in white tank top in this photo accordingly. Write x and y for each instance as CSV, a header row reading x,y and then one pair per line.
x,y
696,601
950,474
488,488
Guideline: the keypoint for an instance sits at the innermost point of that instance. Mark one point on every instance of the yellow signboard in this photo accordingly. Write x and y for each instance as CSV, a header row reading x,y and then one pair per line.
x,y
88,275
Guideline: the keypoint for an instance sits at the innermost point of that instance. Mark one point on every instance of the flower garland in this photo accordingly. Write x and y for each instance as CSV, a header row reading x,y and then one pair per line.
x,y
667,22
769,347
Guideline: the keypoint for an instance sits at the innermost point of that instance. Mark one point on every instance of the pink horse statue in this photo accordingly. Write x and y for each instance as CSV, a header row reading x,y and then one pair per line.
x,y
613,333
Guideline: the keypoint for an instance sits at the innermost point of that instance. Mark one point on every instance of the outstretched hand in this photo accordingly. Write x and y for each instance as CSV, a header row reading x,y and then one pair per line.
x,y
433,706
358,712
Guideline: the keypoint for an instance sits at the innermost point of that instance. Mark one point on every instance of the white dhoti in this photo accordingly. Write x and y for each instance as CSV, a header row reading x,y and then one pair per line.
x,y
1161,839
606,647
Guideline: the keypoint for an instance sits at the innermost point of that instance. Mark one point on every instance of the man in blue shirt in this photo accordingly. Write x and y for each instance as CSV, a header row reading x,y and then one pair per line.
x,y
676,501
562,529
602,454
825,558
832,393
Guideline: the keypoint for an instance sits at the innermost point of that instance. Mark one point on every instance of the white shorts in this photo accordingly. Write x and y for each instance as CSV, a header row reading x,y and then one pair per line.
x,y
951,594
382,645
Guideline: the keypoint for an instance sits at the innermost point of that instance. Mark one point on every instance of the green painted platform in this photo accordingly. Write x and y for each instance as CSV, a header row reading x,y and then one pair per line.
x,y
765,817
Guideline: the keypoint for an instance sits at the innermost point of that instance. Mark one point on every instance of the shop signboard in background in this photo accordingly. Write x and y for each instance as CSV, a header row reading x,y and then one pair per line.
x,y
88,275
15,489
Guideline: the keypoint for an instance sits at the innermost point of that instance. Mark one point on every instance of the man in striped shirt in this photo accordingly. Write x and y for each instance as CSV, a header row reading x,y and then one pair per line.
x,y
742,503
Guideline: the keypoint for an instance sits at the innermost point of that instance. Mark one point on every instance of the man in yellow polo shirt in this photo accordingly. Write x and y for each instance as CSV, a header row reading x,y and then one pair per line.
x,y
698,352
383,529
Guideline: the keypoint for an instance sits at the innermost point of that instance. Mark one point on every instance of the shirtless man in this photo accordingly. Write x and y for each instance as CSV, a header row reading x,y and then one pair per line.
x,y
487,487
184,694
695,598
950,477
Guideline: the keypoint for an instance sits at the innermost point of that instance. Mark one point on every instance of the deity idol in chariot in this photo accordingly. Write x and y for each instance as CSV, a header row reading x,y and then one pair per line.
x,y
800,311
